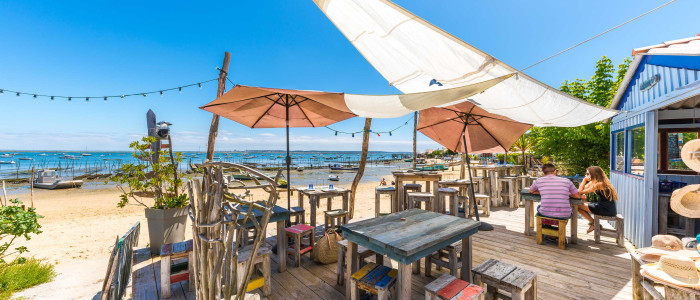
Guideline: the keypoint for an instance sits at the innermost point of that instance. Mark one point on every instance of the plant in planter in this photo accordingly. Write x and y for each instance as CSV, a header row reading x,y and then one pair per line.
x,y
157,179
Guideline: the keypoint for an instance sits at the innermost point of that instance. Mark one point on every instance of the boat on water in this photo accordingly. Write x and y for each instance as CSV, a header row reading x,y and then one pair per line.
x,y
43,154
86,154
6,155
300,169
337,167
280,156
333,178
48,179
25,158
7,162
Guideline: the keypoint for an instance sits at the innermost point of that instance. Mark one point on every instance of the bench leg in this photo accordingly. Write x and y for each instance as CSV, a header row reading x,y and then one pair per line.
x,y
454,268
620,227
340,280
379,259
383,295
165,277
517,294
353,290
596,230
190,270
539,231
351,266
297,252
267,286
562,235
429,264
532,292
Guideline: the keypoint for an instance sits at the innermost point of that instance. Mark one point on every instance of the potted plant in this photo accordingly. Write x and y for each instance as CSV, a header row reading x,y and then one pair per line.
x,y
155,177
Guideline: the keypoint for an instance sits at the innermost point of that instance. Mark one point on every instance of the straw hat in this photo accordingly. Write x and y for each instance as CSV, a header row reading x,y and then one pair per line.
x,y
686,201
675,270
692,146
662,245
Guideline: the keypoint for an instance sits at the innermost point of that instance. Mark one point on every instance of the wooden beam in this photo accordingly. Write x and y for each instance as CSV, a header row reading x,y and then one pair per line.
x,y
361,169
214,128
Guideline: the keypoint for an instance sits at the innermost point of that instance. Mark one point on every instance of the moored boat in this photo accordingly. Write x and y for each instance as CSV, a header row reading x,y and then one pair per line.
x,y
48,179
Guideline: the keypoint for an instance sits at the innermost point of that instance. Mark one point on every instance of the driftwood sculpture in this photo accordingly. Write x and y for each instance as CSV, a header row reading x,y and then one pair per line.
x,y
217,226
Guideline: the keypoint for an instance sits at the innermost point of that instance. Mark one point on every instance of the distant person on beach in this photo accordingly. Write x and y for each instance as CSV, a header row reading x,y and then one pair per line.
x,y
597,182
555,192
383,182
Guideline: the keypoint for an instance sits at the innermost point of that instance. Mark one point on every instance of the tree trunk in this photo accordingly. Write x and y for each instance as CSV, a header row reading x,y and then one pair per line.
x,y
415,133
363,161
214,128
462,170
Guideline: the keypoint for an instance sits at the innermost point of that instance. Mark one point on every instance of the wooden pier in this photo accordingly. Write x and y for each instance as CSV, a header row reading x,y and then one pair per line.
x,y
583,271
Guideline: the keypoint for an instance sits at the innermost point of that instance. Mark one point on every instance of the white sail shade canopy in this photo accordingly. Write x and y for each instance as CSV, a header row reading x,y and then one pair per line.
x,y
416,56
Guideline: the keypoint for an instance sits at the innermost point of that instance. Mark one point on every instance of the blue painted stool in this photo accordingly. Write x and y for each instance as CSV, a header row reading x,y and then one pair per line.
x,y
374,279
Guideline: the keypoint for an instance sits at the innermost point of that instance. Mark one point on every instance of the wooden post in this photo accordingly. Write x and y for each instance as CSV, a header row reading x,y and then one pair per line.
x,y
415,136
214,128
172,161
31,188
4,192
361,169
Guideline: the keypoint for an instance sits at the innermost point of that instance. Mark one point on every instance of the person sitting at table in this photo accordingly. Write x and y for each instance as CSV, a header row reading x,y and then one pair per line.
x,y
597,182
554,192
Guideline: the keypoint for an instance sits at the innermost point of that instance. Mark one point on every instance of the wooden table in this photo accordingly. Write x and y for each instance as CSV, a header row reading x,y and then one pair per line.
x,y
280,215
419,234
430,178
529,199
317,194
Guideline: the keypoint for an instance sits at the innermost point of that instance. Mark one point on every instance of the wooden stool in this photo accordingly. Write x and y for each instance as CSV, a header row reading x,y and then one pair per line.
x,y
416,198
298,232
362,253
559,232
453,263
483,202
409,187
507,189
388,190
298,214
483,183
249,235
375,279
180,271
619,228
448,287
335,218
495,275
441,206
261,271
523,182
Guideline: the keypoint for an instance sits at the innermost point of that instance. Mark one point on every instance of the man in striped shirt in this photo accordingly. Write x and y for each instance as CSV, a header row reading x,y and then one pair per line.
x,y
555,192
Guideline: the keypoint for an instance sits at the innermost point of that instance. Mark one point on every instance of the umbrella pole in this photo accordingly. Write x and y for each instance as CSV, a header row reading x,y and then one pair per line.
x,y
289,159
483,226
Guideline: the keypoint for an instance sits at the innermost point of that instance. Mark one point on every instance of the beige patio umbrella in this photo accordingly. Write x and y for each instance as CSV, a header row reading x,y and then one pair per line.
x,y
466,127
258,107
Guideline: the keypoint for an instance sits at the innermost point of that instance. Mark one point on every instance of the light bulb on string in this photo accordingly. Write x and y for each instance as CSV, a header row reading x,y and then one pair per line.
x,y
122,96
34,97
161,93
1,91
179,90
87,99
51,98
144,95
200,85
353,135
105,99
70,98
378,134
17,94
389,133
336,133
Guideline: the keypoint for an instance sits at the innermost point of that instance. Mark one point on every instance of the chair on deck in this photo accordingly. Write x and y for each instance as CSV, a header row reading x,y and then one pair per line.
x,y
415,199
384,190
497,275
298,232
362,253
619,228
375,279
442,204
261,272
449,287
451,253
559,231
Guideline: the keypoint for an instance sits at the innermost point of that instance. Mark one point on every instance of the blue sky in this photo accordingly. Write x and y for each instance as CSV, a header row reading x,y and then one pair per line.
x,y
107,47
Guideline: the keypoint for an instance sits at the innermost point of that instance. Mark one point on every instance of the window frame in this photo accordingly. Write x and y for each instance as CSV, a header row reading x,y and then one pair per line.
x,y
663,150
613,160
628,146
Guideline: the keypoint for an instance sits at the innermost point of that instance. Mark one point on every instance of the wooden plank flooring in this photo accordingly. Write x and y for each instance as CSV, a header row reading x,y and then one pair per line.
x,y
583,271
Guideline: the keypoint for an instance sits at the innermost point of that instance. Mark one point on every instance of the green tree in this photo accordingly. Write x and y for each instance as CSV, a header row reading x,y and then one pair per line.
x,y
523,144
16,221
577,148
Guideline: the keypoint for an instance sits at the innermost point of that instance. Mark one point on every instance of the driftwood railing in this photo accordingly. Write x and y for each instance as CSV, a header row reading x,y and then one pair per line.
x,y
218,218
120,264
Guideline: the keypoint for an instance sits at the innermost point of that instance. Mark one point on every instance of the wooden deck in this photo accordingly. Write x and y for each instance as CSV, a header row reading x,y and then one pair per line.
x,y
583,271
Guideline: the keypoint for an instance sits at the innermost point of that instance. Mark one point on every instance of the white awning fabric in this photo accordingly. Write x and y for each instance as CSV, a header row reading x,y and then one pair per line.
x,y
416,56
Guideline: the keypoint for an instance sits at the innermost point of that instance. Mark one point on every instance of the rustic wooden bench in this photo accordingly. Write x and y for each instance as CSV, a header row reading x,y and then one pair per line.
x,y
170,273
483,203
559,233
362,253
448,287
442,204
416,198
298,232
384,190
261,277
375,279
453,262
495,275
619,228
334,218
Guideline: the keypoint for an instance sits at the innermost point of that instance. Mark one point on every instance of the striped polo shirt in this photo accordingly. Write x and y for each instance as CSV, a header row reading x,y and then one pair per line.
x,y
554,192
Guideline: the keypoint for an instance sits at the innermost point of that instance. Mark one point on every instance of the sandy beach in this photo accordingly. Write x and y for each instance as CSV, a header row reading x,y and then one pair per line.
x,y
80,226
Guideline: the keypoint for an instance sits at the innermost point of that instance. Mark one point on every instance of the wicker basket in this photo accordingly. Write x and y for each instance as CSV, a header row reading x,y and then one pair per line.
x,y
326,248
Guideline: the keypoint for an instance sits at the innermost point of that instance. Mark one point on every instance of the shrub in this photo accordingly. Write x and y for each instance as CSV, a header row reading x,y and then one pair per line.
x,y
23,274
16,221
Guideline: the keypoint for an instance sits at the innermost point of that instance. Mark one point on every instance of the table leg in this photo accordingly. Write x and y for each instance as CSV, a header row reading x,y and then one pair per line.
x,y
329,204
427,186
281,246
466,272
300,199
346,200
313,200
528,216
532,214
399,195
454,206
403,288
574,225
351,267
436,192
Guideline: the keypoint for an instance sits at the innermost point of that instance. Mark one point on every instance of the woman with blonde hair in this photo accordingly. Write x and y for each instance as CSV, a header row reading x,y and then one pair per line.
x,y
597,182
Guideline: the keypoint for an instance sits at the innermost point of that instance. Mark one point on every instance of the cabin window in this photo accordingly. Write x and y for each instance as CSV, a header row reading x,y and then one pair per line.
x,y
671,142
619,151
636,142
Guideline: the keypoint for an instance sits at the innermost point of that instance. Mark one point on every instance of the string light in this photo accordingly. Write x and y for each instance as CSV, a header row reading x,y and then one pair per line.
x,y
87,99
390,132
144,94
